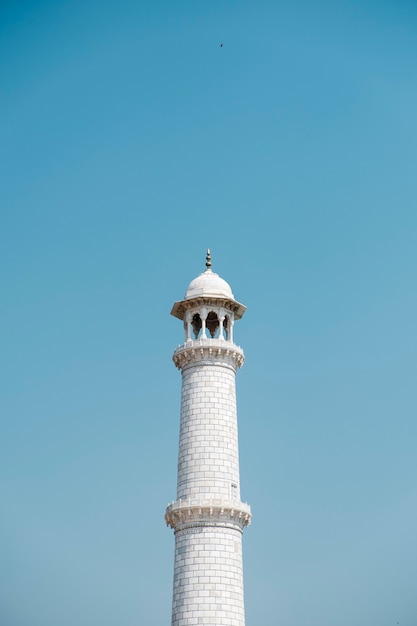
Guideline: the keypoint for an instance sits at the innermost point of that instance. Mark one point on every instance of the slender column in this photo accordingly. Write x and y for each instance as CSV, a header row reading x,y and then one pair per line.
x,y
203,315
231,329
221,322
187,324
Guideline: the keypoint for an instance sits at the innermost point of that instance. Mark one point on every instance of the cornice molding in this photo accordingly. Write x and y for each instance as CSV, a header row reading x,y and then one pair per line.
x,y
208,350
190,513
179,308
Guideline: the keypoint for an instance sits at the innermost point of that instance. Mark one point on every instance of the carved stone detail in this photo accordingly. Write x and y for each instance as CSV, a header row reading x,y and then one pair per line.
x,y
179,309
208,350
189,513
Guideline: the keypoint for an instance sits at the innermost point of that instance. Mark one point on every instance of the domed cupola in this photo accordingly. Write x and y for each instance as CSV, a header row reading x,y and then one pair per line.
x,y
208,305
209,285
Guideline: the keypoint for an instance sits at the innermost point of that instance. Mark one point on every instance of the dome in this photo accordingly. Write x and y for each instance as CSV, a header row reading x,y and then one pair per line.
x,y
208,284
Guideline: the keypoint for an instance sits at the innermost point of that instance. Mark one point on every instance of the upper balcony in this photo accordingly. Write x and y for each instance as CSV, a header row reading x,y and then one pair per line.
x,y
205,349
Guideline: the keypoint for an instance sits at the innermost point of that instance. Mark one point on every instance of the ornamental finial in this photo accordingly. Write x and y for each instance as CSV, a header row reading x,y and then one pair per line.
x,y
208,259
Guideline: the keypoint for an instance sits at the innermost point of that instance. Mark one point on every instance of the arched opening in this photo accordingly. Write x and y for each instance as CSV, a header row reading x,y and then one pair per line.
x,y
212,323
196,323
226,326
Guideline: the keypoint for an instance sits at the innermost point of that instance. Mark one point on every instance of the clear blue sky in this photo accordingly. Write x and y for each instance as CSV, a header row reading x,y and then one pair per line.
x,y
130,142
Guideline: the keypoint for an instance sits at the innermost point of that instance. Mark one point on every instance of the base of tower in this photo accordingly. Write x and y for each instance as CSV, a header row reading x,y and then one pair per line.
x,y
208,577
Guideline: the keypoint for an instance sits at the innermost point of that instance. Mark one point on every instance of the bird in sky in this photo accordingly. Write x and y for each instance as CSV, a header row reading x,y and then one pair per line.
x,y
221,45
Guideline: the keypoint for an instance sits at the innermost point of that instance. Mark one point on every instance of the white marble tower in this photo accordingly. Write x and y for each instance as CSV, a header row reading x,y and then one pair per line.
x,y
208,516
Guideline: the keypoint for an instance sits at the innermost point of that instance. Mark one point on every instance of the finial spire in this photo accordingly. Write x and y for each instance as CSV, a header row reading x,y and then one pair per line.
x,y
208,259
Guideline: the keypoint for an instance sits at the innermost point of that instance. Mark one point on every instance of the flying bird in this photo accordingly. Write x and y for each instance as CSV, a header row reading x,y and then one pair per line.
x,y
221,45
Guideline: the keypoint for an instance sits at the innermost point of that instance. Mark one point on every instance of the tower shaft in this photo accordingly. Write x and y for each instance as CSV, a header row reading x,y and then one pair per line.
x,y
208,463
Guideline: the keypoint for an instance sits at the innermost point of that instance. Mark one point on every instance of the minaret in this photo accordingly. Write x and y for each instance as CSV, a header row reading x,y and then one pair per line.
x,y
208,516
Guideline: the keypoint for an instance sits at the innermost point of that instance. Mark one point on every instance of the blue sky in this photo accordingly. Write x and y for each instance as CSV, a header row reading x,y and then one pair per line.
x,y
130,142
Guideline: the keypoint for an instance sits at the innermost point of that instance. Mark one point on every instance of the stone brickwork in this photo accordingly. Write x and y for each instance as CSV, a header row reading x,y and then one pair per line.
x,y
208,463
208,580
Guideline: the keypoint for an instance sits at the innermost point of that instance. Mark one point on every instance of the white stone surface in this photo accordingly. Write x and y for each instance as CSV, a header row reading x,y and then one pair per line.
x,y
208,287
208,463
208,578
208,284
214,511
